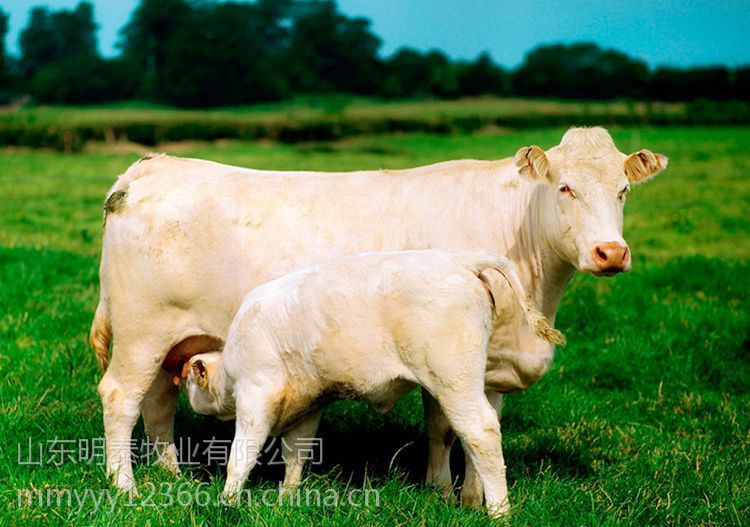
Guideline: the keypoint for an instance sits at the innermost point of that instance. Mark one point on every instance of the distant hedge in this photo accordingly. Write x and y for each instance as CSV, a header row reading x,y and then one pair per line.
x,y
72,137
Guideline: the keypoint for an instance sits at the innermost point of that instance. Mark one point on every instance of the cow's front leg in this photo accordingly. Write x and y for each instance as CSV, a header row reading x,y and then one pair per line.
x,y
158,409
471,491
441,438
293,448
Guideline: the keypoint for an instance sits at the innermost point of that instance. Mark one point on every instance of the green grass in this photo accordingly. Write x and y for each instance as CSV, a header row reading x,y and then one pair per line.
x,y
644,418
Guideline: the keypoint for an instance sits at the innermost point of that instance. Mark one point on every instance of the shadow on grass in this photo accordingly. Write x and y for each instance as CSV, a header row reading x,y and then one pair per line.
x,y
356,454
371,453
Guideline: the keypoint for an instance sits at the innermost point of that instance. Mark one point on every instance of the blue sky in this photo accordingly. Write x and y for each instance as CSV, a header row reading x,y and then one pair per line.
x,y
667,32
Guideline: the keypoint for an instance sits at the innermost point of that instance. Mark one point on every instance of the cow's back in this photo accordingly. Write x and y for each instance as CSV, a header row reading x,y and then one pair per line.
x,y
188,238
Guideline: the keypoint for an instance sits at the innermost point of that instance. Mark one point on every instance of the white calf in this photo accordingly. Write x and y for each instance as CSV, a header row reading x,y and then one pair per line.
x,y
371,327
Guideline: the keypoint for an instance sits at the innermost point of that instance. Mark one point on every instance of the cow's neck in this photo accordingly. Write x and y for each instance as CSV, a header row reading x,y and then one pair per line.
x,y
544,274
517,361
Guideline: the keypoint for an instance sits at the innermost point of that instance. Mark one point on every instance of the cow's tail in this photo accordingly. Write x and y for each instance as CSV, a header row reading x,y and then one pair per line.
x,y
101,334
479,262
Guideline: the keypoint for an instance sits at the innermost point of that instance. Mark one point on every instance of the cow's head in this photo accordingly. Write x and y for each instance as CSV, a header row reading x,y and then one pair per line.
x,y
586,181
207,388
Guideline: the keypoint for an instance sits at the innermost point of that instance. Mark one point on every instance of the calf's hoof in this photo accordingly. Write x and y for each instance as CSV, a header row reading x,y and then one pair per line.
x,y
472,494
499,510
289,491
167,460
232,493
446,491
125,485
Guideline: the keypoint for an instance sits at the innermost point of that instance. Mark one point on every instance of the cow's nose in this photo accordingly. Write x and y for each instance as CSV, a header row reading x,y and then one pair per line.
x,y
611,257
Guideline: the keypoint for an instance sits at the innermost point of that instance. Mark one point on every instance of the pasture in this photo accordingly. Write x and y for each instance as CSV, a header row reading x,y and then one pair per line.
x,y
644,419
333,117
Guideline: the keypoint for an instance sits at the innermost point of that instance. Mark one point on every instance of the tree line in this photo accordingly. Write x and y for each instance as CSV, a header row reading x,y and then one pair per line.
x,y
204,53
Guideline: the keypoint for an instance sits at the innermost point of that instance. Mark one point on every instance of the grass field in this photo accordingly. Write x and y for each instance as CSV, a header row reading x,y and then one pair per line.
x,y
316,107
332,117
644,418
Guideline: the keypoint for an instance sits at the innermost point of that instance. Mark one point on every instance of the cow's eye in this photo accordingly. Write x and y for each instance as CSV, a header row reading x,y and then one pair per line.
x,y
623,193
565,189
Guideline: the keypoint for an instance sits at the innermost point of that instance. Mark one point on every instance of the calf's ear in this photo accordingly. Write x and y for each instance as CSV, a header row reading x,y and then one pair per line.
x,y
200,373
644,165
533,163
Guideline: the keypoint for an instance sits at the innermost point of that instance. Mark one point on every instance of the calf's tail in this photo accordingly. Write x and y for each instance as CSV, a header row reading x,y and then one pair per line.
x,y
101,334
539,324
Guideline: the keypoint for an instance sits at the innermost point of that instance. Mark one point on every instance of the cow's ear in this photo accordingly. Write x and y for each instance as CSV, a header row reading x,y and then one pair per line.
x,y
200,373
644,165
533,163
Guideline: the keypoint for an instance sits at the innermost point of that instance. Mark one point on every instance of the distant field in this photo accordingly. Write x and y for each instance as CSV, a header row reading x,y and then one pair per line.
x,y
644,418
315,108
69,128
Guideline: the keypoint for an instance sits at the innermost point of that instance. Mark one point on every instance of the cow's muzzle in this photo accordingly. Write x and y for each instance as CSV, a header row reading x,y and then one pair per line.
x,y
611,258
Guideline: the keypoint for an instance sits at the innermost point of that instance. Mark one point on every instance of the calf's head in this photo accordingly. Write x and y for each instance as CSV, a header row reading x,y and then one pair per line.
x,y
207,386
585,181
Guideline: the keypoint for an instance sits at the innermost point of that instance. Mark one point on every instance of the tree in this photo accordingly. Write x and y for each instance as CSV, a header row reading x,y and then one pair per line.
x,y
228,53
3,56
60,62
146,37
331,52
409,73
51,37
676,84
84,79
482,77
75,31
37,42
580,71
741,83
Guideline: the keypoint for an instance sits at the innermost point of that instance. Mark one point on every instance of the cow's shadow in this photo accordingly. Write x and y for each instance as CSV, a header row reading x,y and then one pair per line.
x,y
355,454
369,451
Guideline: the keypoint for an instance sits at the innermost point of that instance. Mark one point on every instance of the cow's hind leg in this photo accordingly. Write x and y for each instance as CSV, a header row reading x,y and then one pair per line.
x,y
441,438
122,389
158,409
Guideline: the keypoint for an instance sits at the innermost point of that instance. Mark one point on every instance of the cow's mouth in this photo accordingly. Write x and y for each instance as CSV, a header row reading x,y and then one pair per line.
x,y
605,273
609,271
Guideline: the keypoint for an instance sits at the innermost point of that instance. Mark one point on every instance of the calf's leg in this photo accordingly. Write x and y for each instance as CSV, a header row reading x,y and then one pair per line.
x,y
441,438
471,491
291,449
256,404
476,424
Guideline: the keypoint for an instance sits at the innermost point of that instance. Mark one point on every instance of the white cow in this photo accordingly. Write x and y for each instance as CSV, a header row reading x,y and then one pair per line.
x,y
186,239
372,327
